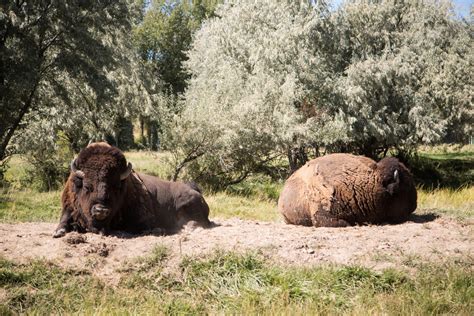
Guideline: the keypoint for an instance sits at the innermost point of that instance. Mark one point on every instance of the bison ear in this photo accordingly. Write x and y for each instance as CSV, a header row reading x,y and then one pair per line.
x,y
127,172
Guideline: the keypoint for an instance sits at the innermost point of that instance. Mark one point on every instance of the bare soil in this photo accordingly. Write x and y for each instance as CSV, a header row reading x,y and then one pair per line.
x,y
424,238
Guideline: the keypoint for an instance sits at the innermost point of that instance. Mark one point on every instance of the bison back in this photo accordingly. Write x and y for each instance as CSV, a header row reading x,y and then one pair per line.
x,y
329,191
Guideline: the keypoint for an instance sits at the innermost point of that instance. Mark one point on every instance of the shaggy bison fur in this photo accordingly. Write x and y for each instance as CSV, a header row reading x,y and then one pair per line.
x,y
103,193
343,189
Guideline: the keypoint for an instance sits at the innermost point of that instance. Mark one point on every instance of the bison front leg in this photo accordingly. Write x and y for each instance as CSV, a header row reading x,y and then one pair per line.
x,y
325,219
64,224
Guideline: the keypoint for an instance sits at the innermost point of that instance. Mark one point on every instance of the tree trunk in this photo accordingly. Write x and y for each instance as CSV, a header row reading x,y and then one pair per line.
x,y
142,129
297,157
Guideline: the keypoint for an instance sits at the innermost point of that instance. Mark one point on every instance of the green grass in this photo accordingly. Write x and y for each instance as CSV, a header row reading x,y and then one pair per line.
x,y
444,166
152,163
224,205
448,152
228,282
29,206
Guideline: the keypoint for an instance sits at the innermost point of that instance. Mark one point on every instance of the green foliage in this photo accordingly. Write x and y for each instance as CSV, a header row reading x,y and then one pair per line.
x,y
228,282
123,136
434,169
48,160
62,61
16,173
248,118
275,79
3,168
162,40
404,77
165,35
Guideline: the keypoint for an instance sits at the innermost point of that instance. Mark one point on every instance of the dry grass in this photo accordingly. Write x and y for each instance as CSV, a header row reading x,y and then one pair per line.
x,y
149,162
454,202
224,205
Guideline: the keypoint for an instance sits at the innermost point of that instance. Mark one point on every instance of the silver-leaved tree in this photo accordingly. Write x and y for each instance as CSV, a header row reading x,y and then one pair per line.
x,y
406,73
271,78
67,69
250,67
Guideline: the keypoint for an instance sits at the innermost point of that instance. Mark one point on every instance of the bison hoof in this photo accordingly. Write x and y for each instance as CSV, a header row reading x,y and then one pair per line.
x,y
59,233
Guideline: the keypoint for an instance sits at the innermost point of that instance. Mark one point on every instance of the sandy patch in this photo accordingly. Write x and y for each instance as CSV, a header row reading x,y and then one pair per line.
x,y
424,238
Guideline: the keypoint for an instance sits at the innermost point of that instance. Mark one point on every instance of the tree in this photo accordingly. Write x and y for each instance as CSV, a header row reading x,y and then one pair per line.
x,y
276,78
250,70
55,52
165,35
162,40
405,73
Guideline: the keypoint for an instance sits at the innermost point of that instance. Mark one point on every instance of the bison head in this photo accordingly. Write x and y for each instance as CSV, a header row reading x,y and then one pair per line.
x,y
98,177
397,181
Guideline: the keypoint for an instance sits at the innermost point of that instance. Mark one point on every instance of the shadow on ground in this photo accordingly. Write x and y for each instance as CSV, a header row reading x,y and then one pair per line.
x,y
423,218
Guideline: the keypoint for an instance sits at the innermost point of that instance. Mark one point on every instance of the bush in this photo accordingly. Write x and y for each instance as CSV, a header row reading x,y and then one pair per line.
x,y
48,159
270,79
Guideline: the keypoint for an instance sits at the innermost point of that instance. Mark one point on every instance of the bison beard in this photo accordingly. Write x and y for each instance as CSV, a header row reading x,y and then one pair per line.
x,y
103,193
343,189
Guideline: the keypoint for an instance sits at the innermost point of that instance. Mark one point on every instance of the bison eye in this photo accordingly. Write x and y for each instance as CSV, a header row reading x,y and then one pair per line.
x,y
88,188
77,182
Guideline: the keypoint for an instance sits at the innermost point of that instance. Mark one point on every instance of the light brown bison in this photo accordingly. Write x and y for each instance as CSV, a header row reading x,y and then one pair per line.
x,y
343,189
103,193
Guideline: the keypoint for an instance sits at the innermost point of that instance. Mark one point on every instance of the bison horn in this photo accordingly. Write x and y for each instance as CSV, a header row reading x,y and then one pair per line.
x,y
395,175
74,169
127,172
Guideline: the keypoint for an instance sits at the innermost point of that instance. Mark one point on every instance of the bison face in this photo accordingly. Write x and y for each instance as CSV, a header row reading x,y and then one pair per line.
x,y
400,188
99,185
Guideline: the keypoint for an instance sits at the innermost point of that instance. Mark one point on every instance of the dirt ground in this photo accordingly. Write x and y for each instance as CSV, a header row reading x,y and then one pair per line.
x,y
423,238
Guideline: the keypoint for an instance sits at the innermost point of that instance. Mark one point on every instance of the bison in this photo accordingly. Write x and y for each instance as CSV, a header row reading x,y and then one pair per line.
x,y
340,190
104,193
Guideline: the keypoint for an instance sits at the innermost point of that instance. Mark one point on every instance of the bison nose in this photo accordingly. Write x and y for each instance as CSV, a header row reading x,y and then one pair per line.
x,y
99,211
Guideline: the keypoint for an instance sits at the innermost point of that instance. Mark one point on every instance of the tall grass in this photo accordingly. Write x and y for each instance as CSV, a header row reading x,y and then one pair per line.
x,y
254,199
454,202
228,282
152,163
31,206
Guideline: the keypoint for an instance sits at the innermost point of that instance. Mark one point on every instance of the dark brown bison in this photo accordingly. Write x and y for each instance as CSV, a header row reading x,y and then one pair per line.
x,y
103,193
342,190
